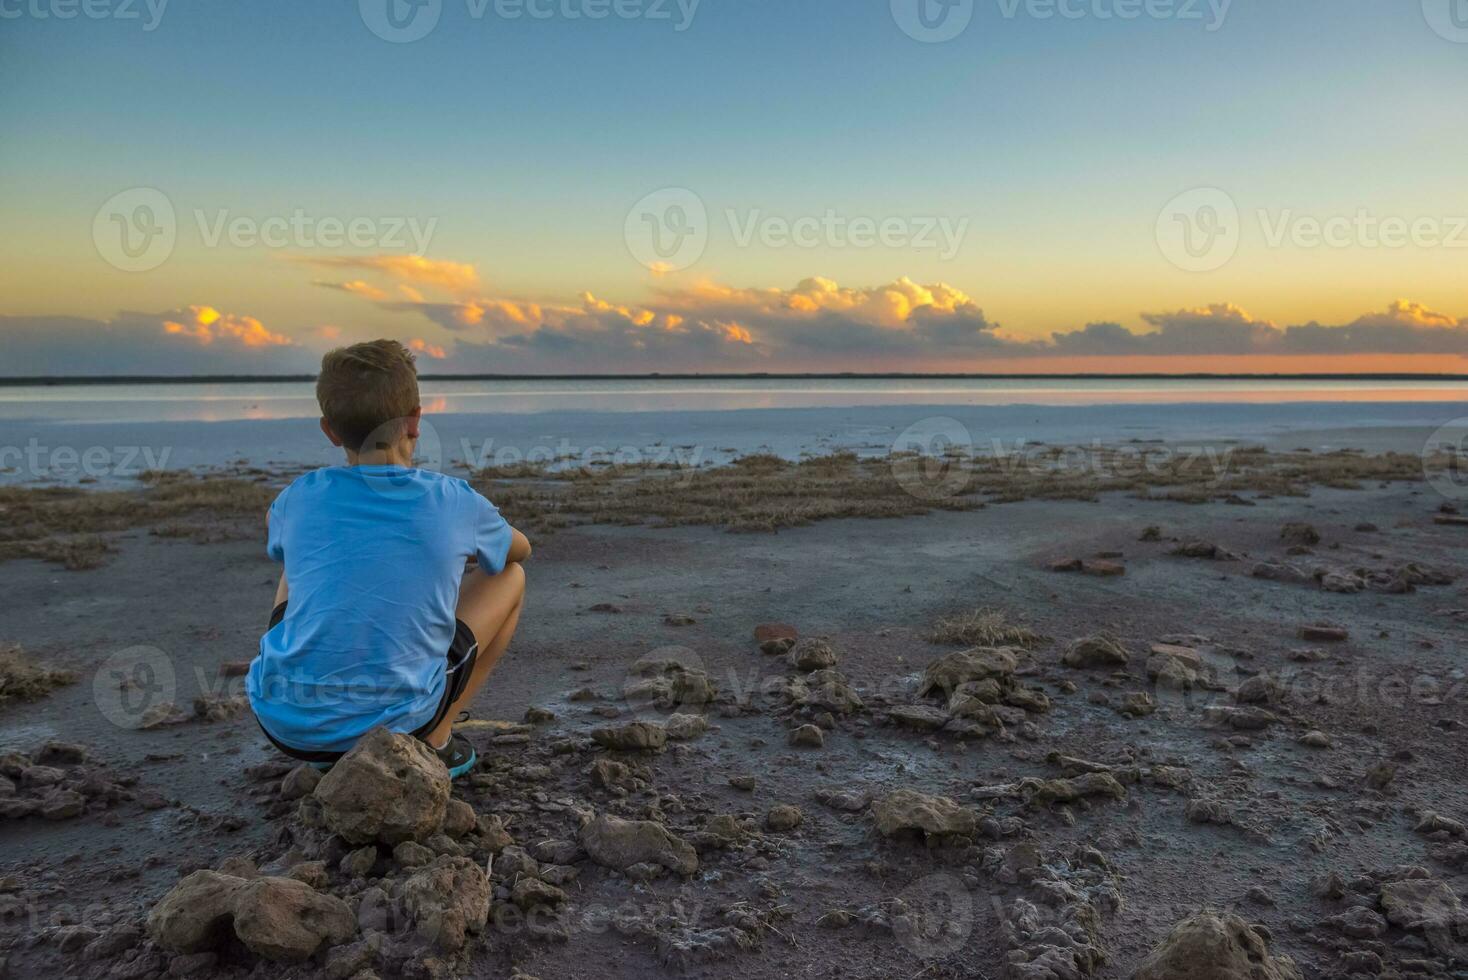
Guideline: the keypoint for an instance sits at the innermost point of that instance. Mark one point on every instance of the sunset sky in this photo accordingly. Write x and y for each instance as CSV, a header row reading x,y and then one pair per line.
x,y
569,186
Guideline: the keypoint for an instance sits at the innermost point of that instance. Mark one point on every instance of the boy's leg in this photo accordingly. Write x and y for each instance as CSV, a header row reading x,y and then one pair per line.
x,y
490,606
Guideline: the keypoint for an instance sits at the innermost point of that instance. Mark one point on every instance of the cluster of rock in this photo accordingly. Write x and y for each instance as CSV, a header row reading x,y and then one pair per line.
x,y
59,783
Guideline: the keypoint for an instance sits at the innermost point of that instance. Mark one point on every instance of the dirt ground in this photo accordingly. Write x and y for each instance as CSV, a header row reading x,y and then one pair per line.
x,y
1389,700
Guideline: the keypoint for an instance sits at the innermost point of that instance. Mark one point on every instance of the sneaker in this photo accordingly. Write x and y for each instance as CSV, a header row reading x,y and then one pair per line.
x,y
458,756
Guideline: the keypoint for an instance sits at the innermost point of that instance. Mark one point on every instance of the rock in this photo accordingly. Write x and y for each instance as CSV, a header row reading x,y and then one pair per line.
x,y
1067,565
447,901
1421,903
1214,946
783,817
300,781
635,736
611,774
1150,533
62,754
538,716
210,707
1207,811
775,639
1315,739
311,873
923,717
196,913
285,919
1045,791
62,804
1282,572
616,843
389,787
1204,549
682,727
812,654
1137,704
530,892
905,810
1433,822
411,854
1101,650
1359,923
1104,569
679,619
743,782
1299,534
829,689
359,863
1380,776
163,714
1245,719
1259,689
1324,634
556,851
807,736
459,818
945,675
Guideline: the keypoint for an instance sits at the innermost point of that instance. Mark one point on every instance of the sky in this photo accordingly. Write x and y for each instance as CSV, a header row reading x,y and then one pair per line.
x,y
589,186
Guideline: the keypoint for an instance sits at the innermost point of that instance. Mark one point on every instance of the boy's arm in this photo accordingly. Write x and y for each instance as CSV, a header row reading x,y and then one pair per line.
x,y
519,547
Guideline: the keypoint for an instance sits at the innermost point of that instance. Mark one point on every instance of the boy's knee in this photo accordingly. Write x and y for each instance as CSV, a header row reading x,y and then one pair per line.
x,y
515,573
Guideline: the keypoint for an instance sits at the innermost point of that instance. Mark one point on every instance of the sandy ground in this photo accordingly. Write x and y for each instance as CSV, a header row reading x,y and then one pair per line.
x,y
1394,692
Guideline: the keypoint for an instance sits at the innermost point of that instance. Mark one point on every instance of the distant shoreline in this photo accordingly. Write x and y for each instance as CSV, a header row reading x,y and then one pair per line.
x,y
84,380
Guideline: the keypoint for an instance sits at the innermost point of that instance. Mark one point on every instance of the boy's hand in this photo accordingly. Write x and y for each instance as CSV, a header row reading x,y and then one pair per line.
x,y
519,546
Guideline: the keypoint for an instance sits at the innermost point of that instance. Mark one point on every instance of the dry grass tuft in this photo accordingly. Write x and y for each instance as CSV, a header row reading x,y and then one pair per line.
x,y
23,680
984,628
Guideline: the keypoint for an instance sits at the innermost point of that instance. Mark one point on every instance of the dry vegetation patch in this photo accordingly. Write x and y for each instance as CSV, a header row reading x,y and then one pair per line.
x,y
984,628
24,680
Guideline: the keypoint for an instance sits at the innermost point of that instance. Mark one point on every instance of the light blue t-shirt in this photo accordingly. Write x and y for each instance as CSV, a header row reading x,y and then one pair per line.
x,y
373,556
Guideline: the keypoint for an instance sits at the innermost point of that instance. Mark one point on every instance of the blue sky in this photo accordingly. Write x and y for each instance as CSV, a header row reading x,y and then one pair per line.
x,y
1056,141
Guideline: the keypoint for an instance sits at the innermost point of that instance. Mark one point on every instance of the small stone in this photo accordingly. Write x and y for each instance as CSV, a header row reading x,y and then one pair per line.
x,y
300,781
783,817
807,736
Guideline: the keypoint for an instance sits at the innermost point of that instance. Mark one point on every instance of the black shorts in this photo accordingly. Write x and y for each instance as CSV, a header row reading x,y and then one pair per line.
x,y
463,651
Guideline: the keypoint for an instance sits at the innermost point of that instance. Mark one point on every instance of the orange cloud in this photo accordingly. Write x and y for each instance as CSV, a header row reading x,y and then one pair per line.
x,y
421,346
455,277
205,325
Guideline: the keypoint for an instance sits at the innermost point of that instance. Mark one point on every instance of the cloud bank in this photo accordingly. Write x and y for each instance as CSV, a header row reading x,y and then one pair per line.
x,y
449,319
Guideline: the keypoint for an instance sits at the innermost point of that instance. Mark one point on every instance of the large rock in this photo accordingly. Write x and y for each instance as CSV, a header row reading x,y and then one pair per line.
x,y
286,919
1421,903
906,809
447,901
1214,946
635,736
196,913
949,671
620,844
389,787
1100,650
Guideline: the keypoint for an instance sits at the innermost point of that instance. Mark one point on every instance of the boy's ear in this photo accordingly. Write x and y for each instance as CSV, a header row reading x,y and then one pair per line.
x,y
411,425
326,430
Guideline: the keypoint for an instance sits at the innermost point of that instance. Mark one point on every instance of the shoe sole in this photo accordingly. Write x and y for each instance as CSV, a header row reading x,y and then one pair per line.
x,y
465,766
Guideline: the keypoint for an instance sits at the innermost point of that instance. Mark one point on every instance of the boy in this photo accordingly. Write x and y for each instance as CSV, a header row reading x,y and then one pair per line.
x,y
375,621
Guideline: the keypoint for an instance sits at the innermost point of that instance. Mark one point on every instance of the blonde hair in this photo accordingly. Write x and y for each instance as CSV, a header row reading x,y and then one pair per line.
x,y
366,387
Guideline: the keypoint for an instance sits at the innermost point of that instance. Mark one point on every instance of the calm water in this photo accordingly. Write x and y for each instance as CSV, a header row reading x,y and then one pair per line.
x,y
253,400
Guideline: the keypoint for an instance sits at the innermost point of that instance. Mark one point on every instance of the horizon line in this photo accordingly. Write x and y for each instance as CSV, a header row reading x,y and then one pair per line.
x,y
82,380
